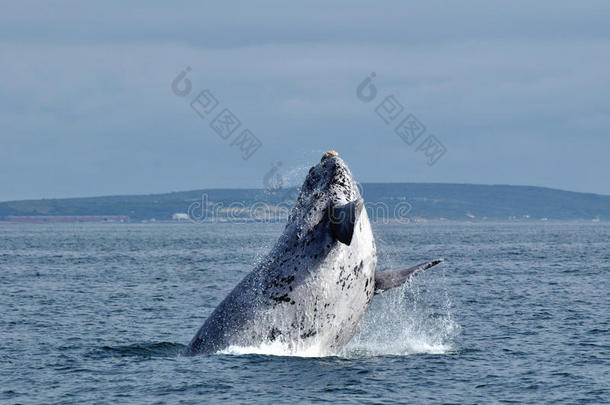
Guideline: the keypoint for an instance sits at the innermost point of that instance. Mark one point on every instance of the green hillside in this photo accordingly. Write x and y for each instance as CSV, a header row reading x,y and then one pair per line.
x,y
421,200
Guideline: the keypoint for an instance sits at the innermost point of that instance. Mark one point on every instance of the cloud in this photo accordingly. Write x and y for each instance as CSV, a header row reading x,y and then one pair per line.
x,y
86,105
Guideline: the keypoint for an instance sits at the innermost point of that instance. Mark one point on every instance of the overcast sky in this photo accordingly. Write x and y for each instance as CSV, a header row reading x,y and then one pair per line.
x,y
515,92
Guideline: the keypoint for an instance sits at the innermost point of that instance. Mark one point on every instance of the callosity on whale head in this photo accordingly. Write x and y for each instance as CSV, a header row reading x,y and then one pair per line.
x,y
312,290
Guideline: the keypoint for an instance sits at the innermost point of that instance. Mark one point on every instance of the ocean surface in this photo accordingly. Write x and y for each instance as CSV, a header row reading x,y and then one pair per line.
x,y
100,313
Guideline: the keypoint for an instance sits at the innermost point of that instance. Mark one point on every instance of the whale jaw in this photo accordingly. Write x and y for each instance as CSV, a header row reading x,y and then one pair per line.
x,y
328,184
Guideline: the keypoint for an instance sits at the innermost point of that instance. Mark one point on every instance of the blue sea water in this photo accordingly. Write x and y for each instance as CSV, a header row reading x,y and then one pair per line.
x,y
100,313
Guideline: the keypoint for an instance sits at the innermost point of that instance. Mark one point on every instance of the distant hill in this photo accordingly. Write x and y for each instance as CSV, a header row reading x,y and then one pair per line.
x,y
413,200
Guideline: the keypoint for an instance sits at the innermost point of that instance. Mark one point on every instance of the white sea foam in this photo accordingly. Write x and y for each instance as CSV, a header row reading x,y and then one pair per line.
x,y
276,349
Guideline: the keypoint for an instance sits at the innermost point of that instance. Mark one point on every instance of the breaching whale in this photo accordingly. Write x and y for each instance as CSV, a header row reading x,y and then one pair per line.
x,y
314,287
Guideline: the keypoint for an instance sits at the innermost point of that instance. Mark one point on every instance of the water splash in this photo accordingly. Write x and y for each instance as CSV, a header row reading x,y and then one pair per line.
x,y
413,319
295,175
406,321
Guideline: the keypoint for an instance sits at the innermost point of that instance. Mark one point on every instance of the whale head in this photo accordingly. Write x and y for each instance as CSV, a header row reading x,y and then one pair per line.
x,y
329,199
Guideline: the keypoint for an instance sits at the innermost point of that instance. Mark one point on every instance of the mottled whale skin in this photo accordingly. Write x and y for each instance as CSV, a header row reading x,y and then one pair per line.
x,y
315,286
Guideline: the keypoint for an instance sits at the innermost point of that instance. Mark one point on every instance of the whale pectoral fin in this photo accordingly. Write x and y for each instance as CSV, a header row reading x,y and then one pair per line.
x,y
343,220
394,278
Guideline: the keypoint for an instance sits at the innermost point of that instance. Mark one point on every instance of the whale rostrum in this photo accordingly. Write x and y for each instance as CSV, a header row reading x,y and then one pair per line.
x,y
314,287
